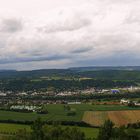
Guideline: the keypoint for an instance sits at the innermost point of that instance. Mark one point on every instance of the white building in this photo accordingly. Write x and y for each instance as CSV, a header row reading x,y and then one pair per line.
x,y
71,103
20,107
2,94
124,101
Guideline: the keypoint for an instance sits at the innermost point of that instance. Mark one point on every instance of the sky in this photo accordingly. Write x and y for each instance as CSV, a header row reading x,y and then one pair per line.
x,y
44,34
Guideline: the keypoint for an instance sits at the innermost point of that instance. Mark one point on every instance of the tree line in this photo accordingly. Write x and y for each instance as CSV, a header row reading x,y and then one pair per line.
x,y
107,131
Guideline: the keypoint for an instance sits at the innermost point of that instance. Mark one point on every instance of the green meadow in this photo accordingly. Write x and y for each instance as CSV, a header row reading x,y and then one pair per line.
x,y
56,112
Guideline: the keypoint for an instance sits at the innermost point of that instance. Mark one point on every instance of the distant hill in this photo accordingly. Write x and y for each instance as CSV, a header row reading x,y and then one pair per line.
x,y
71,78
94,68
122,72
7,70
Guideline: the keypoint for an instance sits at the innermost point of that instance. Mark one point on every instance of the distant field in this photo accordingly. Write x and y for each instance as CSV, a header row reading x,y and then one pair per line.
x,y
57,112
119,118
13,128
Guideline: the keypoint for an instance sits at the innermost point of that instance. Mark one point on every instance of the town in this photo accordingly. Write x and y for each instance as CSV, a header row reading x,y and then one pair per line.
x,y
33,101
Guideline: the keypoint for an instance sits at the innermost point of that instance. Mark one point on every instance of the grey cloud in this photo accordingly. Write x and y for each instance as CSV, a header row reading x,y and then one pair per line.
x,y
70,36
11,25
33,58
134,18
118,59
68,23
82,50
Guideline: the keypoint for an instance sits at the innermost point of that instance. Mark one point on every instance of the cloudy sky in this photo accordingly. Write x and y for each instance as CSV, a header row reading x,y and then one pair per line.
x,y
38,34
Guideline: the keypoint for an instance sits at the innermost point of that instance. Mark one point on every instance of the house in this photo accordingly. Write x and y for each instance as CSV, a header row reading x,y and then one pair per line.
x,y
137,104
104,91
2,94
21,107
22,94
124,101
70,103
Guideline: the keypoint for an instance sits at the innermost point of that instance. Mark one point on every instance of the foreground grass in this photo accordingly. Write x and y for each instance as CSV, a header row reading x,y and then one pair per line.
x,y
57,112
6,128
12,128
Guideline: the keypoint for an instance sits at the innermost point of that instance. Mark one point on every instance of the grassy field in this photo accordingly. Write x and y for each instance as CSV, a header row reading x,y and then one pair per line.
x,y
57,112
13,128
119,118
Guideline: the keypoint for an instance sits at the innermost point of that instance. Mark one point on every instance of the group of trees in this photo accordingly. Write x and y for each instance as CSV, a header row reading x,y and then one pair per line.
x,y
42,110
70,111
39,131
107,131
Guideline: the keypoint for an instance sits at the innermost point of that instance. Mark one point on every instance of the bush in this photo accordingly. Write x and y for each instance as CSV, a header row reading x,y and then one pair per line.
x,y
71,113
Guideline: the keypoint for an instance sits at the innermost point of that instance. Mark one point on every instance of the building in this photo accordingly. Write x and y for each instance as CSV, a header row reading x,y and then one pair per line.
x,y
124,101
115,91
70,103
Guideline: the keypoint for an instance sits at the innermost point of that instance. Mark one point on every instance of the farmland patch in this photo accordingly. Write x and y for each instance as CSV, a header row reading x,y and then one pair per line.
x,y
119,118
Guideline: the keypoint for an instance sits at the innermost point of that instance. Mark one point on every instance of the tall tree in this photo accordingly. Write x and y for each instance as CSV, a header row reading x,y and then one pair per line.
x,y
106,131
37,130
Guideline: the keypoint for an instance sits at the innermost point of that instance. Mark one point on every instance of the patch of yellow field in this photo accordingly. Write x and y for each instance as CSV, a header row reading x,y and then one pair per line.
x,y
97,118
